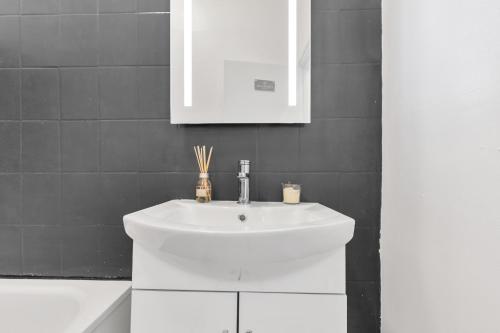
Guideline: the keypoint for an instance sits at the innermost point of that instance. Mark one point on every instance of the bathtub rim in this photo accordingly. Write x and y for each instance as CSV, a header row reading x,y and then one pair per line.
x,y
88,322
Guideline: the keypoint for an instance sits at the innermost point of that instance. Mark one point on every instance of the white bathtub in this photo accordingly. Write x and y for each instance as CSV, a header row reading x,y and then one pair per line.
x,y
65,306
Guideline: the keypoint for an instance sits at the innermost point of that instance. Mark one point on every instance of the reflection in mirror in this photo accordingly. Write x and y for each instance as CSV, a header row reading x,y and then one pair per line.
x,y
240,61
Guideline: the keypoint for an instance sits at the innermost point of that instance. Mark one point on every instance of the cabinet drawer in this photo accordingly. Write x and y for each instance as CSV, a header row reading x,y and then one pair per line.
x,y
292,313
183,312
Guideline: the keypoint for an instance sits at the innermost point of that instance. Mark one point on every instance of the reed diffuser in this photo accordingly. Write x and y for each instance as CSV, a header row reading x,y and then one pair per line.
x,y
204,185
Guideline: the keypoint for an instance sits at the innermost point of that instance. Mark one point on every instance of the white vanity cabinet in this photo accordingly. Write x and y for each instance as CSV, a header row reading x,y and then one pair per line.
x,y
222,312
200,269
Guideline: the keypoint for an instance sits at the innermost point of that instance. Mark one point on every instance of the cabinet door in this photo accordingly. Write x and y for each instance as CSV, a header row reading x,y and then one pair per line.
x,y
183,312
292,313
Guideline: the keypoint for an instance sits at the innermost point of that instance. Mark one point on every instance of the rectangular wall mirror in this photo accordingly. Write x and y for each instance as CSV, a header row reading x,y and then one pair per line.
x,y
240,61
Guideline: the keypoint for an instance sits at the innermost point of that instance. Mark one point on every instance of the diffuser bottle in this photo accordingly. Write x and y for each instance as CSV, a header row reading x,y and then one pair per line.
x,y
204,185
204,188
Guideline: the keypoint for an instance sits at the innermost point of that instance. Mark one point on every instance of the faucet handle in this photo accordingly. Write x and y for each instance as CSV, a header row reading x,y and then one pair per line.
x,y
244,166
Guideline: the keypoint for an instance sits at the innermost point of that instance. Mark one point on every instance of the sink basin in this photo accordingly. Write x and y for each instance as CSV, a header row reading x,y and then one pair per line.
x,y
231,235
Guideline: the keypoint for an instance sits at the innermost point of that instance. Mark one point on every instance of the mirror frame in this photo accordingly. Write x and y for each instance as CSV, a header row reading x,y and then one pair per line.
x,y
182,110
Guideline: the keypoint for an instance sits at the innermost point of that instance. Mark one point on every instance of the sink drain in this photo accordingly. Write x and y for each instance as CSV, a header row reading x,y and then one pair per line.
x,y
242,217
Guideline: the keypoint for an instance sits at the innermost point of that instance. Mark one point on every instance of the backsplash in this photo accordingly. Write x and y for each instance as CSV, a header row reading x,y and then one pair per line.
x,y
85,136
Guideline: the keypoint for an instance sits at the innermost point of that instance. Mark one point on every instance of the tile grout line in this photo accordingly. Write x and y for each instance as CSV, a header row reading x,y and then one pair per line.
x,y
61,13
99,111
89,66
21,164
139,172
60,206
21,167
98,75
136,80
138,12
98,12
163,65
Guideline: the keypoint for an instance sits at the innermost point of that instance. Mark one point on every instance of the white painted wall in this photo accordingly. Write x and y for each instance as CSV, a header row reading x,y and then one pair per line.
x,y
440,246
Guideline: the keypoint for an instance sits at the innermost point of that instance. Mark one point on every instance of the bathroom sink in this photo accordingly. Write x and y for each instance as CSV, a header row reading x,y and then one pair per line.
x,y
227,233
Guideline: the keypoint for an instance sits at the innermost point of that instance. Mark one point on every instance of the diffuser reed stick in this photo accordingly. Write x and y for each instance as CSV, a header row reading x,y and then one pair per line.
x,y
197,158
204,186
201,158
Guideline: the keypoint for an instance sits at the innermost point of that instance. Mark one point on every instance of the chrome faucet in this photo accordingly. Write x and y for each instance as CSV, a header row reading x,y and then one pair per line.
x,y
244,182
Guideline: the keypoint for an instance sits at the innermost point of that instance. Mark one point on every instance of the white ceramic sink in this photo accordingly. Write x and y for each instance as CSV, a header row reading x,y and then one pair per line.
x,y
214,233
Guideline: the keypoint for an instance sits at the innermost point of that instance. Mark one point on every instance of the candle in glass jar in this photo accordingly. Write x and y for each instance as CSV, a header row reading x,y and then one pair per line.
x,y
291,193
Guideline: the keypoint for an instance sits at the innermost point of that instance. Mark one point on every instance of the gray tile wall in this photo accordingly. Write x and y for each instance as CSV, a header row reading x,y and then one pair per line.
x,y
85,136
